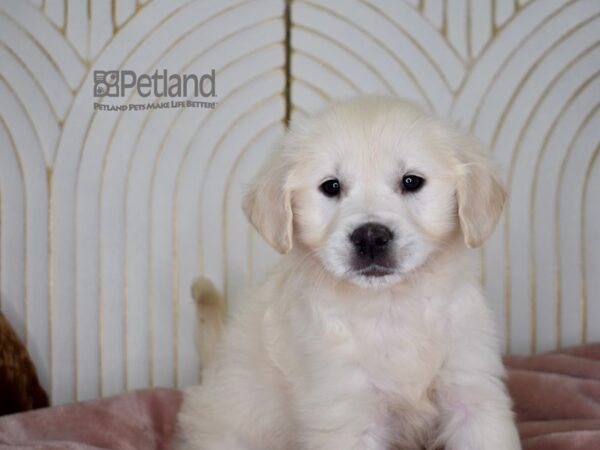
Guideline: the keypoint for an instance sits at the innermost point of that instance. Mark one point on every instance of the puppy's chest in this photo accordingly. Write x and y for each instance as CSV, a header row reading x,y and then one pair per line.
x,y
399,353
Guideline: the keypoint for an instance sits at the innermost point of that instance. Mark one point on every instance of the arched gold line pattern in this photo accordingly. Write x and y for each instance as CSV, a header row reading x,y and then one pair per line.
x,y
516,6
175,212
175,276
194,135
127,56
25,233
175,260
415,41
236,120
226,66
22,172
162,144
513,161
136,145
116,27
217,146
382,45
42,92
583,248
125,329
161,148
409,37
175,295
328,67
42,49
79,159
31,123
92,62
515,49
50,218
532,33
324,95
100,318
150,318
349,51
19,162
162,22
214,150
532,70
556,230
147,117
7,123
420,8
532,198
131,52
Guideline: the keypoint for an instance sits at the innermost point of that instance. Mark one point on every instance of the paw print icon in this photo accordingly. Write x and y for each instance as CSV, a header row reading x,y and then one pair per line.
x,y
106,83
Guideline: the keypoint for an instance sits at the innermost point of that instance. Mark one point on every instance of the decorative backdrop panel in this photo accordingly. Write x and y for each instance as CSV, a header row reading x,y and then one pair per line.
x,y
106,216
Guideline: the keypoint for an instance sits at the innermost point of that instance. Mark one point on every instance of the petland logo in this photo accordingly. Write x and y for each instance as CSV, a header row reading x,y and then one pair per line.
x,y
175,89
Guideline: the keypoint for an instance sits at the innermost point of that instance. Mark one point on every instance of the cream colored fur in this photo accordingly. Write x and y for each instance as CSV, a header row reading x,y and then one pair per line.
x,y
323,358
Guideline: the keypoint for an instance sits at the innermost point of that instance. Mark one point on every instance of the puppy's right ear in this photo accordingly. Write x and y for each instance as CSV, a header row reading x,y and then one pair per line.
x,y
481,196
268,204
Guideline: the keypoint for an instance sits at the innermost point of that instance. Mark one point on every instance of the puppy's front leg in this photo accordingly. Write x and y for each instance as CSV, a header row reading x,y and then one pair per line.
x,y
476,416
474,405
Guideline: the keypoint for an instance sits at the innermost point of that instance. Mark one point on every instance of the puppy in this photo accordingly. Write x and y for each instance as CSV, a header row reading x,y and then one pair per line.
x,y
369,334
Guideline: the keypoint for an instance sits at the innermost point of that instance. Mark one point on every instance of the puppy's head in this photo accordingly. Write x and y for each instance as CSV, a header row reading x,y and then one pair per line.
x,y
373,188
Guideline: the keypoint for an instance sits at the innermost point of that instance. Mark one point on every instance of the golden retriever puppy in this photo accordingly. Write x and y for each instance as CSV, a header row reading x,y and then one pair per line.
x,y
370,334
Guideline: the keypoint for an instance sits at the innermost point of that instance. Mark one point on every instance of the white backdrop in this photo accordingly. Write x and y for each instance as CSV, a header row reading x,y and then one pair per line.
x,y
106,217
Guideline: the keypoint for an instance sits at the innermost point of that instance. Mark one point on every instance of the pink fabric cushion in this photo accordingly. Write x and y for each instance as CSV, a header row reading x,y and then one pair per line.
x,y
137,420
557,398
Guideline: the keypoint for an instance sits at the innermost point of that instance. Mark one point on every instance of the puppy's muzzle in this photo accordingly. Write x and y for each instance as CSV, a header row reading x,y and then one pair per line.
x,y
372,244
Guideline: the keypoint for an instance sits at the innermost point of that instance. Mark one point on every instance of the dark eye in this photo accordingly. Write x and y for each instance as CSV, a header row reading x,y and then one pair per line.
x,y
412,183
331,188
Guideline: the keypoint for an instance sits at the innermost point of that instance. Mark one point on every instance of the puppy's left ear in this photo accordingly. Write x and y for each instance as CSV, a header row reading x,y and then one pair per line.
x,y
268,203
481,196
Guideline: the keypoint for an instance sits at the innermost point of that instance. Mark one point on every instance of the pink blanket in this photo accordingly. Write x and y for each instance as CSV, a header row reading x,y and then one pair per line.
x,y
557,401
137,420
557,398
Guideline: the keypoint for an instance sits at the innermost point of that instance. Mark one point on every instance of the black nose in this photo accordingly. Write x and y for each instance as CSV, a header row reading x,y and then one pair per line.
x,y
371,239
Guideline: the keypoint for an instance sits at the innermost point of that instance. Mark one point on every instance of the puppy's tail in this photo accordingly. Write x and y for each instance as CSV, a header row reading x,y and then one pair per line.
x,y
210,315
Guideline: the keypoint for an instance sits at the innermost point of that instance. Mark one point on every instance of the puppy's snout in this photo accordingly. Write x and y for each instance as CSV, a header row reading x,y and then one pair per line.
x,y
371,239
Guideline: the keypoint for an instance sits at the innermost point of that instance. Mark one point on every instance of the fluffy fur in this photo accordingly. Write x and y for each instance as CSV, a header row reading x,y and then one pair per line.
x,y
324,357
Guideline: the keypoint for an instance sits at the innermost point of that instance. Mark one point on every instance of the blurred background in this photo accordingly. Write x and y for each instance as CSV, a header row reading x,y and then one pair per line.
x,y
107,216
